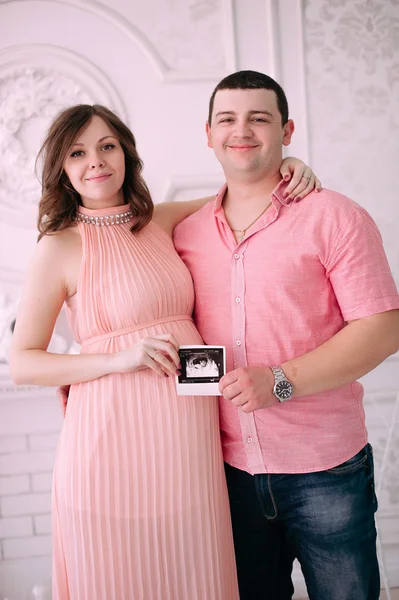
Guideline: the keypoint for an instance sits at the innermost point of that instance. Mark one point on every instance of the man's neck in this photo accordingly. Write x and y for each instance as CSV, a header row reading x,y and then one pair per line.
x,y
245,201
248,196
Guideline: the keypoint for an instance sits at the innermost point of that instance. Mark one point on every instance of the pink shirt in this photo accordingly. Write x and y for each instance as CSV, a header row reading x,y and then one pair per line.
x,y
302,271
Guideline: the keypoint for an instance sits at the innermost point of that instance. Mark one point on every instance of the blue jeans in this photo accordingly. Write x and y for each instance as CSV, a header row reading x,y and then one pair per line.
x,y
324,519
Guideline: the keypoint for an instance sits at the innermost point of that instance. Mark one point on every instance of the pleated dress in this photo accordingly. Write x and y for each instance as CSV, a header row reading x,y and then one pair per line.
x,y
140,505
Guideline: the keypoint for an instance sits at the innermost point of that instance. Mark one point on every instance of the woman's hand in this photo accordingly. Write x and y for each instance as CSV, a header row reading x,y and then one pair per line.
x,y
301,177
159,353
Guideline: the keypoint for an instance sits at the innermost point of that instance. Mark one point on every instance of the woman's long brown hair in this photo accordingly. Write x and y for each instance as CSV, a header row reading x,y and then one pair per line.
x,y
59,202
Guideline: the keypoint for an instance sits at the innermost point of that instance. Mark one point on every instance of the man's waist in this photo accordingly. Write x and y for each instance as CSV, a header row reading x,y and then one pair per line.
x,y
301,435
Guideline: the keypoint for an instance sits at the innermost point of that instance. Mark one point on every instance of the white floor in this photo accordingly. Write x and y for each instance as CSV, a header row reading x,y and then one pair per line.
x,y
394,595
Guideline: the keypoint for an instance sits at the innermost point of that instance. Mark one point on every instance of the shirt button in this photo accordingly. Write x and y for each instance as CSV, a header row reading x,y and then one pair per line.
x,y
236,256
238,342
238,299
249,440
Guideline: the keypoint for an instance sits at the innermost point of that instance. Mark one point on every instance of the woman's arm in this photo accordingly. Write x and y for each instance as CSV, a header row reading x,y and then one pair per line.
x,y
169,214
42,299
301,177
302,181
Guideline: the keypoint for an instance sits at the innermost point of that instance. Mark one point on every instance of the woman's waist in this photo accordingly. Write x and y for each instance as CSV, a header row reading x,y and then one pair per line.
x,y
170,322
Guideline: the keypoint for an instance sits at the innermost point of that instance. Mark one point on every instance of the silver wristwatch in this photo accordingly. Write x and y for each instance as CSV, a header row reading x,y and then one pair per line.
x,y
283,389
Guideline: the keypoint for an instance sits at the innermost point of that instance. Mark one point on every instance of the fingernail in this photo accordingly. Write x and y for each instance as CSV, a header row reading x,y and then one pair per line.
x,y
286,177
178,372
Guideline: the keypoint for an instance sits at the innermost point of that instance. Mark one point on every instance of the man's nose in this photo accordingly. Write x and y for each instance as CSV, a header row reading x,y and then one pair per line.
x,y
242,129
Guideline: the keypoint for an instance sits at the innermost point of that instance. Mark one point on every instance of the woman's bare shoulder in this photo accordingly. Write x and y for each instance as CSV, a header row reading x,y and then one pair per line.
x,y
59,240
60,254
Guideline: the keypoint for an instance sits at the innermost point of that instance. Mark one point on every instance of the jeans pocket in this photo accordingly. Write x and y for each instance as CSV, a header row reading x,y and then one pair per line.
x,y
359,460
370,456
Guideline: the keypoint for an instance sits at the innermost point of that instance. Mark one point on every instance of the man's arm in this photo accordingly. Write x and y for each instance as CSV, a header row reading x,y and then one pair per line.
x,y
351,353
357,269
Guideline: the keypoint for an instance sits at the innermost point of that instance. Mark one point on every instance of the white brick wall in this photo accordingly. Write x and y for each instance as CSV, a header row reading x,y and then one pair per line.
x,y
10,444
14,485
25,547
42,524
29,432
18,575
31,462
42,482
43,441
38,415
15,527
25,504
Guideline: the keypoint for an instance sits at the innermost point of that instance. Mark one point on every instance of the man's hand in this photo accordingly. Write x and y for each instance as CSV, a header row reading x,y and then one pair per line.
x,y
62,395
249,388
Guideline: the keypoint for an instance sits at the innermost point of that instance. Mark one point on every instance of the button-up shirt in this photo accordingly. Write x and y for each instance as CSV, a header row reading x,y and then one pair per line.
x,y
300,274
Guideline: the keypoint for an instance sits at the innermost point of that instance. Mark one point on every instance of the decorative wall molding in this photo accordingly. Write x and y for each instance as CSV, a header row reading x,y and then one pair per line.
x,y
91,79
382,418
230,37
176,186
289,59
273,39
104,12
154,51
9,275
352,73
36,82
61,342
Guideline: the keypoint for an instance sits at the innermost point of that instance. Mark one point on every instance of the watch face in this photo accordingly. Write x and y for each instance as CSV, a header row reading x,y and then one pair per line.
x,y
284,390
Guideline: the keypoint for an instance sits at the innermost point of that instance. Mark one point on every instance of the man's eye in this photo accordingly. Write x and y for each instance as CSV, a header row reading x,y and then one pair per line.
x,y
260,120
226,120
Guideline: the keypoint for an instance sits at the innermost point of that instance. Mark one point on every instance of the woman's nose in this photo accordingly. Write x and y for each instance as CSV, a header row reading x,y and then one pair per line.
x,y
96,162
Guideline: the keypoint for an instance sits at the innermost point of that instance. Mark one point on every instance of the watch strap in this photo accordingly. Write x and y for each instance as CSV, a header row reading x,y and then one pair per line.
x,y
278,373
279,376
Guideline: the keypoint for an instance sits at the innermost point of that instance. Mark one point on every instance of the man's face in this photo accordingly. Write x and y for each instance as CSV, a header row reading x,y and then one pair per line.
x,y
246,132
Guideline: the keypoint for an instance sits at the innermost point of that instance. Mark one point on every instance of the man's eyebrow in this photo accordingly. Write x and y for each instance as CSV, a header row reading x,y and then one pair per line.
x,y
100,140
262,112
225,112
251,112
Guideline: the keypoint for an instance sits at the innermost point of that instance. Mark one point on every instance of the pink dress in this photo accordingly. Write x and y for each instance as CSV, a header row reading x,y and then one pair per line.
x,y
140,506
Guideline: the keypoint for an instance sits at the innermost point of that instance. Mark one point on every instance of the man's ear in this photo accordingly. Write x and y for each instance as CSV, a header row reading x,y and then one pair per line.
x,y
208,134
289,129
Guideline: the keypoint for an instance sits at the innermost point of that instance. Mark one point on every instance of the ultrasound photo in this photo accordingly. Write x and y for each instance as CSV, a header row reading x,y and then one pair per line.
x,y
201,367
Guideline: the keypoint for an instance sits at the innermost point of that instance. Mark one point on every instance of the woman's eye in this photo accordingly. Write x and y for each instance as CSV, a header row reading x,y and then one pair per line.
x,y
77,153
108,146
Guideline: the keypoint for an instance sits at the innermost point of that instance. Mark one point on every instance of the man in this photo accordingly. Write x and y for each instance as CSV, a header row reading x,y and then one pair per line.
x,y
304,301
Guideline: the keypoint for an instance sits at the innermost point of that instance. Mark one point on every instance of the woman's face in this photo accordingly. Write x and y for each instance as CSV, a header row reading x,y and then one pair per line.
x,y
95,166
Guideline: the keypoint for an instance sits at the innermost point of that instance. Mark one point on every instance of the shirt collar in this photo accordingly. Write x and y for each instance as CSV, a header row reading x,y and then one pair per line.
x,y
277,194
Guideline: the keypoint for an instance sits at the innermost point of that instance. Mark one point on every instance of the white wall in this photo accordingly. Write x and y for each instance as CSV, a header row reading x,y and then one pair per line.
x,y
156,63
352,81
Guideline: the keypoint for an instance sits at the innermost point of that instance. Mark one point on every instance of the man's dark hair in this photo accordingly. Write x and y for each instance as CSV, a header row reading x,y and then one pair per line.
x,y
252,80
